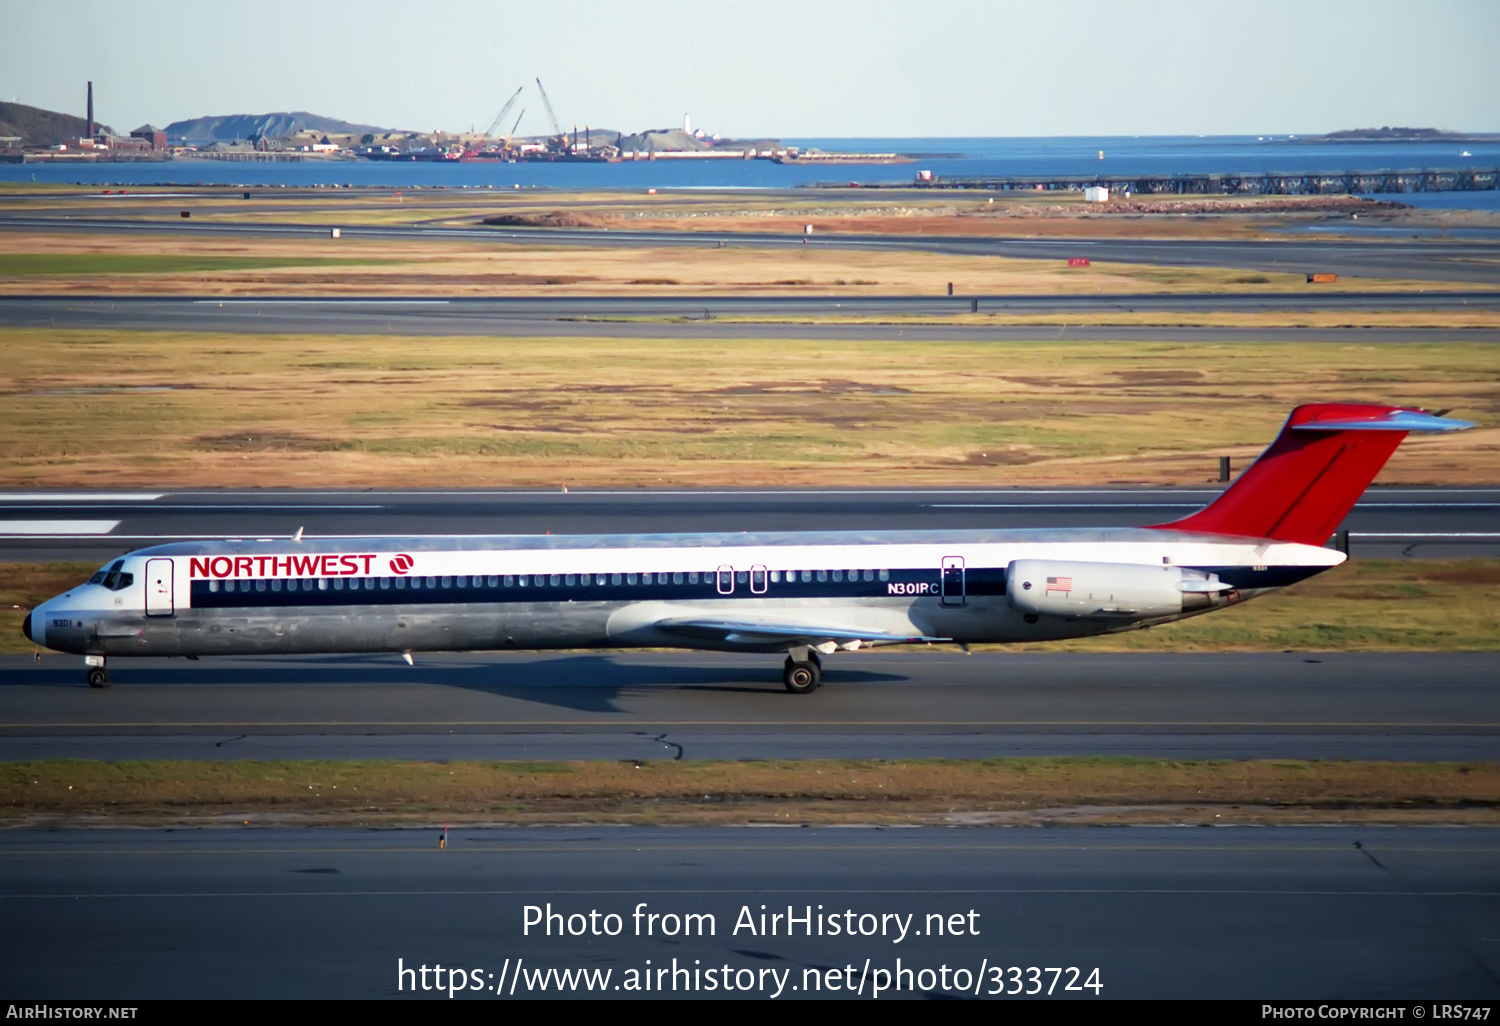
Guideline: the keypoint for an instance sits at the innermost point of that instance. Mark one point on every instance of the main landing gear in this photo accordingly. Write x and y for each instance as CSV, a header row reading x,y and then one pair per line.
x,y
98,676
803,671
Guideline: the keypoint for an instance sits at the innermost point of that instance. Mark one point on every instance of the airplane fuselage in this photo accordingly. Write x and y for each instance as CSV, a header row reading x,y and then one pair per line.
x,y
738,592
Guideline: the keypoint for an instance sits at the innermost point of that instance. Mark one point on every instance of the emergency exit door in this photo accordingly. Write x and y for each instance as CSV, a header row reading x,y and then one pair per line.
x,y
953,581
159,601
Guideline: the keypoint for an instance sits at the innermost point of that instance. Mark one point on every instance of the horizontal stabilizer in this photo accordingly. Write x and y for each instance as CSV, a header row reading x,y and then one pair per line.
x,y
1394,420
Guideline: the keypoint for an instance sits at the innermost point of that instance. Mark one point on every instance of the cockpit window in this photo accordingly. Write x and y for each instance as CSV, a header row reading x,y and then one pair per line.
x,y
105,571
112,578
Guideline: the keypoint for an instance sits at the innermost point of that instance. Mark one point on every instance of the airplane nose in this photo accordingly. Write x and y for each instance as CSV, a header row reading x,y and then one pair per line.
x,y
26,626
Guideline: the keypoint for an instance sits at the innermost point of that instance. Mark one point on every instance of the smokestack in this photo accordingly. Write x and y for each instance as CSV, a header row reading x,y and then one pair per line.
x,y
90,132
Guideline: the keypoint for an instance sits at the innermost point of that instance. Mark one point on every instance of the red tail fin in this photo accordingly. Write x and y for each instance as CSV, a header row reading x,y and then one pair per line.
x,y
1303,486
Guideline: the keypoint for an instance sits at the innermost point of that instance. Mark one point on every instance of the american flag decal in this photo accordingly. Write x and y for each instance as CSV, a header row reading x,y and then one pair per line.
x,y
1060,584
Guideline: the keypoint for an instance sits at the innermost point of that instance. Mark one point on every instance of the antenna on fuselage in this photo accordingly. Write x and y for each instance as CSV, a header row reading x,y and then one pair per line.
x,y
298,536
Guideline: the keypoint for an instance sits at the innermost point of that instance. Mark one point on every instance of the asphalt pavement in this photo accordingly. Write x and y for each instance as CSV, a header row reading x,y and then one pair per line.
x,y
689,316
1454,260
98,524
1267,913
924,703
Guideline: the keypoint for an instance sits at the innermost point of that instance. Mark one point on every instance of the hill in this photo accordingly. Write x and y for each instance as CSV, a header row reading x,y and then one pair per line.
x,y
1400,134
38,127
228,127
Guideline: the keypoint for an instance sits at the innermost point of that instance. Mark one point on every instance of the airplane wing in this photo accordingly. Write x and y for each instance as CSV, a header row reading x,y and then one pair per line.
x,y
766,633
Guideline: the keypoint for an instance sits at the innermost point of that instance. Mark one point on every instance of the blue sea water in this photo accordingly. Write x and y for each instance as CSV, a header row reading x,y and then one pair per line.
x,y
945,157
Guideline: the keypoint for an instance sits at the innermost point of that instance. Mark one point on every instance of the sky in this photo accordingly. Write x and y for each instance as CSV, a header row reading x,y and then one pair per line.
x,y
784,68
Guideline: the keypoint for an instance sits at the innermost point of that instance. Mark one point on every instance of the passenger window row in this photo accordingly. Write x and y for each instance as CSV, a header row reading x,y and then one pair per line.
x,y
510,580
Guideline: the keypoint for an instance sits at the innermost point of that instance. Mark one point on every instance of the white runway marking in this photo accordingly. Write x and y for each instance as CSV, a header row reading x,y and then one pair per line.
x,y
79,496
641,493
223,507
1176,505
1061,505
55,528
1431,535
320,302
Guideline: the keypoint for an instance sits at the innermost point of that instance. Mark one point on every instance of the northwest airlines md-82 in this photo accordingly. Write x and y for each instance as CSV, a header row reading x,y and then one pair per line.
x,y
805,594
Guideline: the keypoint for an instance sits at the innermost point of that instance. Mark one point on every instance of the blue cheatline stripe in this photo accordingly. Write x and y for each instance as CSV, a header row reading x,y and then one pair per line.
x,y
366,591
347,591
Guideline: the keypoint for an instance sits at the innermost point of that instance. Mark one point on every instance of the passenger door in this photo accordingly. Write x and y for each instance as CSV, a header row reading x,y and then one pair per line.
x,y
953,581
159,601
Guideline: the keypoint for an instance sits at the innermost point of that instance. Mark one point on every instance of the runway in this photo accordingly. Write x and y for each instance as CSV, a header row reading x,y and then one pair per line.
x,y
937,703
85,524
689,316
1423,259
1348,913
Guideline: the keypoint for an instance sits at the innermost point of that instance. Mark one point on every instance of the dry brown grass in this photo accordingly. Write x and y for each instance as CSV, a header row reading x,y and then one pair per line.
x,y
376,267
971,223
1057,326
748,792
187,409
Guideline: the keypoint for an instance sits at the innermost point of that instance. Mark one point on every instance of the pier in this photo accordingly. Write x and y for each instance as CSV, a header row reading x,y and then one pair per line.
x,y
1266,184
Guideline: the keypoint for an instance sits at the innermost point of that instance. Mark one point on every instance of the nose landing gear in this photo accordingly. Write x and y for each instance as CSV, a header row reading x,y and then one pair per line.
x,y
803,671
98,676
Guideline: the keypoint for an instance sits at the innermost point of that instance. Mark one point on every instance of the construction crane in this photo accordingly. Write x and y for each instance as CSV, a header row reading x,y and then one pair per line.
x,y
557,131
511,134
503,111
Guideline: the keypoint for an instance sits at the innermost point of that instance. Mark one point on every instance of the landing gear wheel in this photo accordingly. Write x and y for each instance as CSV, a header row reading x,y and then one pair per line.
x,y
801,678
98,677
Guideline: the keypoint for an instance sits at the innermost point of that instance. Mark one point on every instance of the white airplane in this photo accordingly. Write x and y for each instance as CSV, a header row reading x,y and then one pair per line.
x,y
806,594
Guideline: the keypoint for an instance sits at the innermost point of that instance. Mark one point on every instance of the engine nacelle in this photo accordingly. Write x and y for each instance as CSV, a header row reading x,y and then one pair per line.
x,y
1108,591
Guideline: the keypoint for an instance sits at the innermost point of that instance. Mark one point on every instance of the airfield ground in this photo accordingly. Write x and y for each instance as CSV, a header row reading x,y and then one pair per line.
x,y
1024,791
188,409
321,408
833,210
173,264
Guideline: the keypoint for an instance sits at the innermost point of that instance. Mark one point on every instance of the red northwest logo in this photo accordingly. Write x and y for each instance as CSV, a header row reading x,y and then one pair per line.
x,y
401,563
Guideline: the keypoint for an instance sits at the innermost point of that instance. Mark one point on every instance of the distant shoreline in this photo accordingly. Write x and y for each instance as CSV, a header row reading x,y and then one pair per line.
x,y
1396,135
